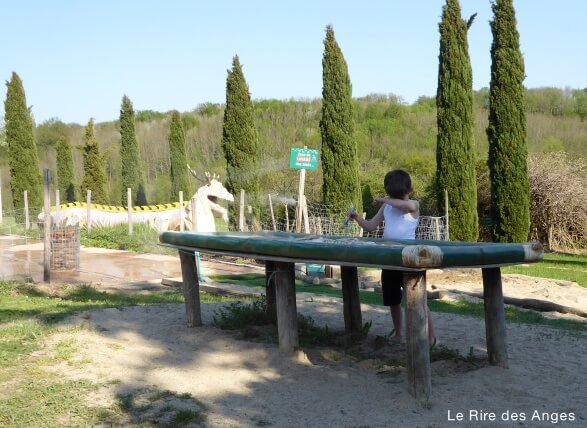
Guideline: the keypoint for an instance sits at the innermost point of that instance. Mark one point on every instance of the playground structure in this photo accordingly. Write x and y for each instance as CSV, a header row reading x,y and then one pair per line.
x,y
196,214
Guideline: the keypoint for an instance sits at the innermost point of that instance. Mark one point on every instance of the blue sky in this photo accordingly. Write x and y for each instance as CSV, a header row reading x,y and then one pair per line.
x,y
78,58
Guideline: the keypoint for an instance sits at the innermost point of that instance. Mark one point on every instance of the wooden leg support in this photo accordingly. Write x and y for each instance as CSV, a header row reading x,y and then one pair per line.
x,y
419,377
494,317
191,288
353,322
287,314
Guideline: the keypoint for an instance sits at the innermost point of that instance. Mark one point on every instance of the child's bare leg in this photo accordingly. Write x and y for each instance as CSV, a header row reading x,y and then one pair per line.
x,y
397,318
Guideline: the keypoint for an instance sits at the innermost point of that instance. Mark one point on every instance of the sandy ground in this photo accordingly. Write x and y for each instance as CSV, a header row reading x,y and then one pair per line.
x,y
242,383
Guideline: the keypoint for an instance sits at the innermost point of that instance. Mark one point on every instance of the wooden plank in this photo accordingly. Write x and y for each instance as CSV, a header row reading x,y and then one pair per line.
x,y
419,377
353,322
287,315
494,317
270,286
191,288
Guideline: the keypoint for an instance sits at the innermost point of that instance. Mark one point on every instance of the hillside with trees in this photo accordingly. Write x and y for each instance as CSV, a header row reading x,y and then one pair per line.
x,y
389,134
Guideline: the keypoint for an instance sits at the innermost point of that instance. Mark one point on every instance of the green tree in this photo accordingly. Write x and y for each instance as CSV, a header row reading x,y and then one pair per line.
x,y
94,171
455,148
65,175
23,158
340,165
240,141
507,159
179,170
129,154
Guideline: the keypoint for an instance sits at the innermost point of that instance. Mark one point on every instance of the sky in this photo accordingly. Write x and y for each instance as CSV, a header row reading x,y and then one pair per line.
x,y
78,58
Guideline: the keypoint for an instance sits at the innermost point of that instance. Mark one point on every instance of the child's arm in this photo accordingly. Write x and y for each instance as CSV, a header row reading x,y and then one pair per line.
x,y
368,225
407,205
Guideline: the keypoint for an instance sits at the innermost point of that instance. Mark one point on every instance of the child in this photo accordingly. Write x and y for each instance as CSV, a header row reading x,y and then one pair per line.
x,y
401,218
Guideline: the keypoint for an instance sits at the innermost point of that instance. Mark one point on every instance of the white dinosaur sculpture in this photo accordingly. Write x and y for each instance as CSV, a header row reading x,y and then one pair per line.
x,y
162,217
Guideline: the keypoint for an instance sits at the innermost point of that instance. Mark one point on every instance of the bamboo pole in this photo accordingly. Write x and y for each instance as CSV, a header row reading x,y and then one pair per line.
x,y
241,212
27,224
57,208
181,211
129,208
0,199
270,209
89,209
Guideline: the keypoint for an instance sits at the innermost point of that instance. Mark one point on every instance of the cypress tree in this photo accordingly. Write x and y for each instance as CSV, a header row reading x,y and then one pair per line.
x,y
179,162
455,148
65,170
129,154
240,141
508,168
341,186
23,158
94,171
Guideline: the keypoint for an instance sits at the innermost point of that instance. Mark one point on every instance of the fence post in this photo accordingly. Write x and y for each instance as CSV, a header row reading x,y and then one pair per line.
x,y
241,212
181,210
194,215
305,215
129,208
89,209
47,237
26,210
270,209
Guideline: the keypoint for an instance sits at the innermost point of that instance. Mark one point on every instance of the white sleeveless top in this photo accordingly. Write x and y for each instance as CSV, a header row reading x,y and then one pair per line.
x,y
398,223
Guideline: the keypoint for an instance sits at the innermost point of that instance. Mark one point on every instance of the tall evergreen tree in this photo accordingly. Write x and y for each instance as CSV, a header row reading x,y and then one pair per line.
x,y
179,169
455,148
94,171
340,165
508,168
65,176
23,158
240,141
129,154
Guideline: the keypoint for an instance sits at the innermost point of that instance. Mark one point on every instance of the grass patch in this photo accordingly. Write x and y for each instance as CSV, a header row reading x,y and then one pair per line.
x,y
561,266
32,395
459,307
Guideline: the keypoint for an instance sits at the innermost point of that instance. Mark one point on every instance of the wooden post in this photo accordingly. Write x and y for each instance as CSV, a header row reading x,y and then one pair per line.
x,y
89,209
270,209
191,288
47,240
129,208
494,317
287,315
241,212
305,215
418,364
353,322
181,211
27,223
270,286
300,201
57,208
286,217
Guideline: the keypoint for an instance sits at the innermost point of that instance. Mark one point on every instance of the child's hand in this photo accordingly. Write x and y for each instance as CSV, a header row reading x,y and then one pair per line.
x,y
378,201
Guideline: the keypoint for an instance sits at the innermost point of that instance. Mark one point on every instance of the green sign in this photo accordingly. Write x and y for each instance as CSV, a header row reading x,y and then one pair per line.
x,y
304,159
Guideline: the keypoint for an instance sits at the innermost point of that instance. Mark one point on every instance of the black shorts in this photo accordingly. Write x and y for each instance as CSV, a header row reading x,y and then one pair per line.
x,y
392,282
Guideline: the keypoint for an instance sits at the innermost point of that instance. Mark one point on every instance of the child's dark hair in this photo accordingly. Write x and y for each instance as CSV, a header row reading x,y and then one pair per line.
x,y
397,183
